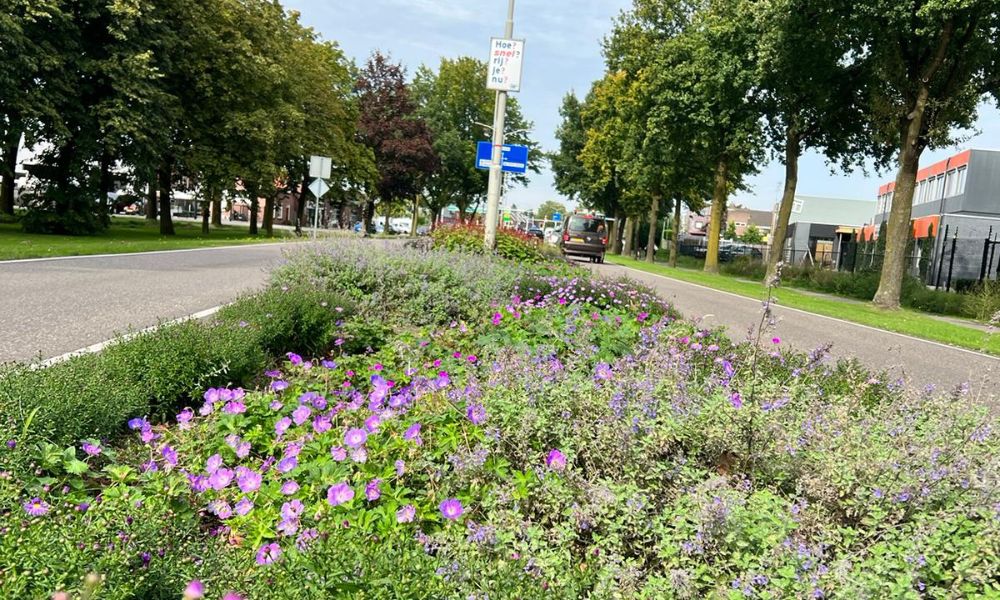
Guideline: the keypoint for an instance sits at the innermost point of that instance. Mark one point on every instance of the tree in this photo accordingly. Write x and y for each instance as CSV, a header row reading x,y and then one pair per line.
x,y
933,61
399,139
730,232
549,208
811,90
452,101
752,236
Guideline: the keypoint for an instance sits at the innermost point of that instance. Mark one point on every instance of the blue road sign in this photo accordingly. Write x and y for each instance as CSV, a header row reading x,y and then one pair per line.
x,y
557,217
513,160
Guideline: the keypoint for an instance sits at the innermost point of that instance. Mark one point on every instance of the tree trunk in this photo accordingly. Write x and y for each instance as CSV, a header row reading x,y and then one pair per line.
x,y
416,216
719,195
205,216
300,206
254,209
675,247
269,214
217,209
629,234
104,182
8,168
366,218
385,225
166,219
793,149
619,237
654,217
151,206
897,233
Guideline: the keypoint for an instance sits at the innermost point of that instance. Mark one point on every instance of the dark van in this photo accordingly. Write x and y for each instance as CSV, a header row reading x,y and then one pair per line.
x,y
585,236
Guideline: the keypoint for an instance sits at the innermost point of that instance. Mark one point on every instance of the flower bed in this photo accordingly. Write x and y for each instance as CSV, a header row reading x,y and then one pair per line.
x,y
574,439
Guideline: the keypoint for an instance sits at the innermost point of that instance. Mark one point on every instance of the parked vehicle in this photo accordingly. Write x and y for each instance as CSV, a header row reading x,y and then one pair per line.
x,y
585,236
537,232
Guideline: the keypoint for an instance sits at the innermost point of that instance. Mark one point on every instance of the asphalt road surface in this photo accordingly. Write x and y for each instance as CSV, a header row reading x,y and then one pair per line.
x,y
920,362
50,307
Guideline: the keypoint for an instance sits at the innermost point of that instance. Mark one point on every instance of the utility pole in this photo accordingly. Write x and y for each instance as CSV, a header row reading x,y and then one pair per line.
x,y
496,175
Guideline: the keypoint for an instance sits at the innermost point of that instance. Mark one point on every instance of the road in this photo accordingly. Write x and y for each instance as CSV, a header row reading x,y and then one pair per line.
x,y
49,307
921,362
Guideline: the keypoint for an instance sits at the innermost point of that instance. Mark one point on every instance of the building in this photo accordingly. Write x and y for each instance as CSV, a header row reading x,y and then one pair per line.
x,y
697,223
958,197
819,228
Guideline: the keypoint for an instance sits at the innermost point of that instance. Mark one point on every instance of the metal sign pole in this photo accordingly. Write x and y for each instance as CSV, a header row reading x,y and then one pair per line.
x,y
496,175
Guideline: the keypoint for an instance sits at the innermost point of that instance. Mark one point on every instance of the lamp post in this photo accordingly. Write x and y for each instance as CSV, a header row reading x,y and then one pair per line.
x,y
496,174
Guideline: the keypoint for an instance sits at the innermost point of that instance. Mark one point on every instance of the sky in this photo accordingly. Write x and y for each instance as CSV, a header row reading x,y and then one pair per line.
x,y
562,54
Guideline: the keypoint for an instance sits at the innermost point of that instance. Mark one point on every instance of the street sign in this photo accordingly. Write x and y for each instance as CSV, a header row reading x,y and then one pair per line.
x,y
514,159
506,62
319,166
557,217
319,187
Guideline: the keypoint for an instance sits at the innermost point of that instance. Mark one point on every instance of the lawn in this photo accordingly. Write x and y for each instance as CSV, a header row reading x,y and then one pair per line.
x,y
904,321
125,236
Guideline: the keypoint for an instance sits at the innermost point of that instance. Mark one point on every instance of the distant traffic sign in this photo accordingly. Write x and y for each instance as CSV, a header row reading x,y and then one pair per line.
x,y
513,160
319,187
557,217
320,166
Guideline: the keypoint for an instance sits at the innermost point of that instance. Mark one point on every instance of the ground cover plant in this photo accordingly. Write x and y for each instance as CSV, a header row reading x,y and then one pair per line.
x,y
511,244
570,438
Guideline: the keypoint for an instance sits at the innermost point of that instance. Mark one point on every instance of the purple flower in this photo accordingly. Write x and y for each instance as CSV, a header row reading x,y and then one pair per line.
x,y
288,464
244,506
472,358
736,400
372,491
556,460
292,509
301,414
289,487
355,438
138,423
195,590
169,455
222,509
231,595
268,553
36,507
147,435
338,453
279,385
12,444
294,358
211,395
328,364
359,455
184,418
603,372
276,405
400,468
451,509
476,413
243,449
412,434
220,479
288,527
497,317
199,483
273,373
339,493
372,423
282,426
248,480
776,340
234,407
406,514
91,449
213,463
305,538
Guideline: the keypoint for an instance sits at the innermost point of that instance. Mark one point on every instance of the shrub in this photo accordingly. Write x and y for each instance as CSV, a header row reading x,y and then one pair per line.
x,y
152,374
511,244
983,302
405,284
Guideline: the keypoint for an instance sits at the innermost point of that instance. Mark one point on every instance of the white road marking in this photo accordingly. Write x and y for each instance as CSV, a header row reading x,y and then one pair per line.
x,y
123,254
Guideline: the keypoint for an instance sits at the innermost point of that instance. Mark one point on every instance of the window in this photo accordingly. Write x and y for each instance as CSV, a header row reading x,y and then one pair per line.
x,y
583,224
962,174
951,184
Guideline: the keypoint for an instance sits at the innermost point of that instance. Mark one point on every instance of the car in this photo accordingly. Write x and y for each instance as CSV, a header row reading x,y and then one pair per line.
x,y
585,235
536,232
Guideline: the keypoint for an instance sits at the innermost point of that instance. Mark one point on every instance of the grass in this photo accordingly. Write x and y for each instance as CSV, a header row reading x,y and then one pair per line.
x,y
903,321
127,235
